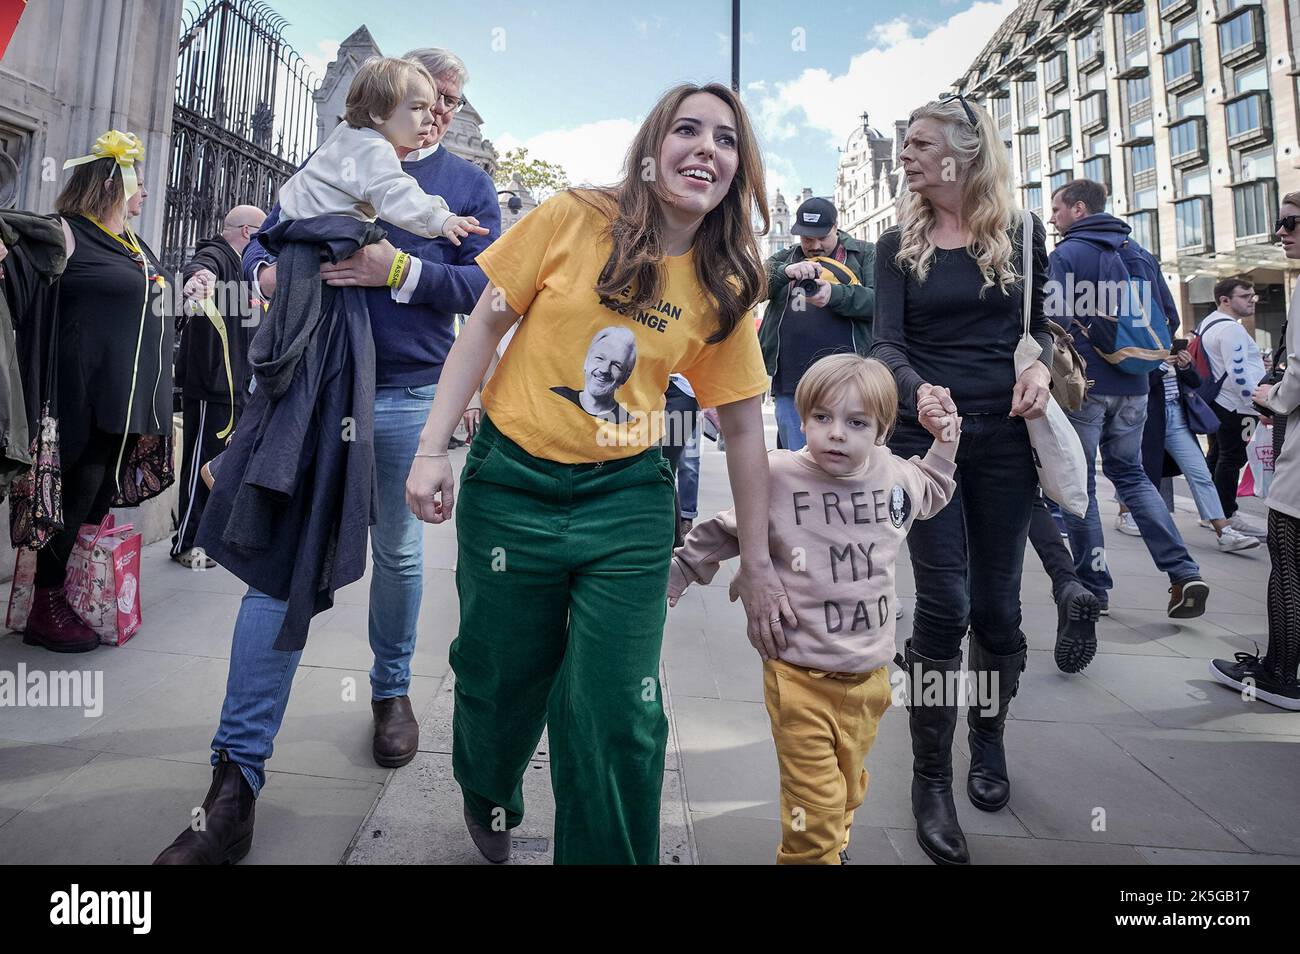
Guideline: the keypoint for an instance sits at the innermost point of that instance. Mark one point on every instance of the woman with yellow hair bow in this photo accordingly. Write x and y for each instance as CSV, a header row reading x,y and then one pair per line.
x,y
113,339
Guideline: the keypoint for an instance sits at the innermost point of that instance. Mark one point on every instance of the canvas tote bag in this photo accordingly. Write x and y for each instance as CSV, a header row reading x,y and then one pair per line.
x,y
1058,454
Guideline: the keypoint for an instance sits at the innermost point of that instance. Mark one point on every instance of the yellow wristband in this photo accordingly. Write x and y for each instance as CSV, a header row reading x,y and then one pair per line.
x,y
399,265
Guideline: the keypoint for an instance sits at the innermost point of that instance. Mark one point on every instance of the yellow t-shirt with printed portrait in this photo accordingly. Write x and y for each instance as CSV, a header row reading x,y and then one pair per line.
x,y
583,380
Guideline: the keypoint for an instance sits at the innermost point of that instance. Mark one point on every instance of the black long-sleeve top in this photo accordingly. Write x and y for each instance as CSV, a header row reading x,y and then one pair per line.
x,y
943,332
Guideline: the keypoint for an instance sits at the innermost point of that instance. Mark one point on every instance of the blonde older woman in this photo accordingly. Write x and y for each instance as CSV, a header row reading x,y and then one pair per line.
x,y
1272,677
948,317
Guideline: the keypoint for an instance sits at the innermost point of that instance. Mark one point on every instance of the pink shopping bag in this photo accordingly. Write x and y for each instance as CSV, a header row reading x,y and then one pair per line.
x,y
103,581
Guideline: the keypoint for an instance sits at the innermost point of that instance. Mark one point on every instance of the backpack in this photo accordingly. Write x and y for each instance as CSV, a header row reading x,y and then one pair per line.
x,y
1210,388
1127,328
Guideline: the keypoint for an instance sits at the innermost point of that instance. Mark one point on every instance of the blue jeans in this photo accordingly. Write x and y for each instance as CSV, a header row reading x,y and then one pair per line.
x,y
1115,422
788,425
967,558
688,478
1181,444
257,687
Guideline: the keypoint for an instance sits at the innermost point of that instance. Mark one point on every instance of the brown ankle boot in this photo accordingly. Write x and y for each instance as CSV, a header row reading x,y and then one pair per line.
x,y
226,834
397,731
53,624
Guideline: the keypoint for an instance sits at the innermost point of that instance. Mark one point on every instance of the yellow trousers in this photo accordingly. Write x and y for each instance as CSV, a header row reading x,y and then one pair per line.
x,y
824,724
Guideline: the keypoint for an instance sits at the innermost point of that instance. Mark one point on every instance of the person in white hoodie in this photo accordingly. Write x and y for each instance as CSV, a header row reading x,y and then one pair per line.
x,y
356,171
1236,363
1272,677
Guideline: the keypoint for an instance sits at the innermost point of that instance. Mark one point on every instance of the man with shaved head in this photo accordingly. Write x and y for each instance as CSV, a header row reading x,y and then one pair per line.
x,y
211,400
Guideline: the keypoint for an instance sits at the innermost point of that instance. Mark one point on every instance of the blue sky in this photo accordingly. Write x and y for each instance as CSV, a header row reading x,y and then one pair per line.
x,y
572,79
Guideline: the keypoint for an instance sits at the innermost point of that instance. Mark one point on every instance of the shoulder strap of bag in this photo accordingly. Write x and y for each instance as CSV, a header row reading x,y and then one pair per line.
x,y
1026,264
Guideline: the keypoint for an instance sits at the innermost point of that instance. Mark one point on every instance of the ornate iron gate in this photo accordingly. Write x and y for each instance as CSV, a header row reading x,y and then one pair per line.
x,y
244,118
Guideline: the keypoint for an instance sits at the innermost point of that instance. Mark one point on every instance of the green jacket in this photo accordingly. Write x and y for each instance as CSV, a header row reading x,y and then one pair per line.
x,y
855,302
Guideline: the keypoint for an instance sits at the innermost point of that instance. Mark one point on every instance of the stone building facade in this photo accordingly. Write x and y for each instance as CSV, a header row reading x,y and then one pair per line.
x,y
868,180
1186,109
73,70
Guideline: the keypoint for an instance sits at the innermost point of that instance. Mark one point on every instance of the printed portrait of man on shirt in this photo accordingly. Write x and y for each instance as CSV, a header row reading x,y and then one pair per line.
x,y
609,364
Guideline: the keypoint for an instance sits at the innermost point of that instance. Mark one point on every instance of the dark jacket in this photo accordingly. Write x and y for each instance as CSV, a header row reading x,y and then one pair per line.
x,y
294,499
37,255
200,363
856,303
1155,461
1077,261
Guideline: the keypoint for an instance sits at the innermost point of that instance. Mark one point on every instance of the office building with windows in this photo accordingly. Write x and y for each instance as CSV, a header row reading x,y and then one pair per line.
x,y
1185,109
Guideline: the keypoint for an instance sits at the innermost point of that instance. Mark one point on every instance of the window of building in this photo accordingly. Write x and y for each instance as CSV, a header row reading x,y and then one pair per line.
x,y
1249,118
1145,228
1133,36
1062,158
1088,50
1093,82
1253,207
1183,66
1253,164
1098,170
1189,28
1194,182
1092,111
1097,144
1250,78
1034,198
1241,35
1057,179
1030,156
1187,141
1027,90
1192,224
1058,128
1142,176
1060,101
1137,106
1191,103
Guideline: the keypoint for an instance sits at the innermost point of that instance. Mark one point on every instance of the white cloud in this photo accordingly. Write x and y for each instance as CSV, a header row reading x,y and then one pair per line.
x,y
781,175
591,153
323,56
904,69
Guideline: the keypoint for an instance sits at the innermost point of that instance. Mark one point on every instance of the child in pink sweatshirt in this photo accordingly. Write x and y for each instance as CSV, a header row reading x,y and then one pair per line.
x,y
839,512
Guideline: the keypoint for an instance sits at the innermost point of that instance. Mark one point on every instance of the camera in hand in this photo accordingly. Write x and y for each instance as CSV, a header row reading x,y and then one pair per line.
x,y
809,285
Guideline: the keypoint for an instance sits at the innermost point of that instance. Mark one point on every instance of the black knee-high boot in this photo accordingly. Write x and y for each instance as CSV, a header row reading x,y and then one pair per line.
x,y
932,724
987,785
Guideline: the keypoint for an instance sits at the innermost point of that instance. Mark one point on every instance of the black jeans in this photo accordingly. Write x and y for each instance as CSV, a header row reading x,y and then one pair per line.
x,y
968,558
680,414
1228,455
89,484
1056,558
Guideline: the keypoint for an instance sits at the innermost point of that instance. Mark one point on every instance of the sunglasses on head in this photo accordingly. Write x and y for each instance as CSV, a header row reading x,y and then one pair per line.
x,y
970,113
1287,223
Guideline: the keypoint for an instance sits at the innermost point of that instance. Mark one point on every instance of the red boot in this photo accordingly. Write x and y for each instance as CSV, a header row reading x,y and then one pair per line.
x,y
55,626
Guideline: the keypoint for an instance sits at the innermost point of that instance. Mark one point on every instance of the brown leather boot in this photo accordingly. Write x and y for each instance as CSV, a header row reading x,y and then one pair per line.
x,y
397,733
53,624
227,832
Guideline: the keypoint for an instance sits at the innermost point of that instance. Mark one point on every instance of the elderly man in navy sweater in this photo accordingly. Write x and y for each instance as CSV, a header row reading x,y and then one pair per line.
x,y
412,323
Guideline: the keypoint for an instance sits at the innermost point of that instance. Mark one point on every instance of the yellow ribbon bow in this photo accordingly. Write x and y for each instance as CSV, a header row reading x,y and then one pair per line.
x,y
125,148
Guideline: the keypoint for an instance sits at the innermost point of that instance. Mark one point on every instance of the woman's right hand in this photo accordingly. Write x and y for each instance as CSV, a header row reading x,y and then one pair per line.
x,y
431,489
934,407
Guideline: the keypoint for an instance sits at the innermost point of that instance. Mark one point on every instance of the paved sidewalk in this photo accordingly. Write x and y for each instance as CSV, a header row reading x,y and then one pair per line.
x,y
1142,758
1182,768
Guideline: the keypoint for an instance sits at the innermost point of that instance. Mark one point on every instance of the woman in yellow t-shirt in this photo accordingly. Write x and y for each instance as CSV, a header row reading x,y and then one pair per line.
x,y
565,524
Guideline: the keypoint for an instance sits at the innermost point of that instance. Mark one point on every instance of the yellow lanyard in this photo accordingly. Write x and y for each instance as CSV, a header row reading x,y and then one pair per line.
x,y
129,243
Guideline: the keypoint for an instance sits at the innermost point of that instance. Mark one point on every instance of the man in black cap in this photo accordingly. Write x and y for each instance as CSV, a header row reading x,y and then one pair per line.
x,y
821,299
